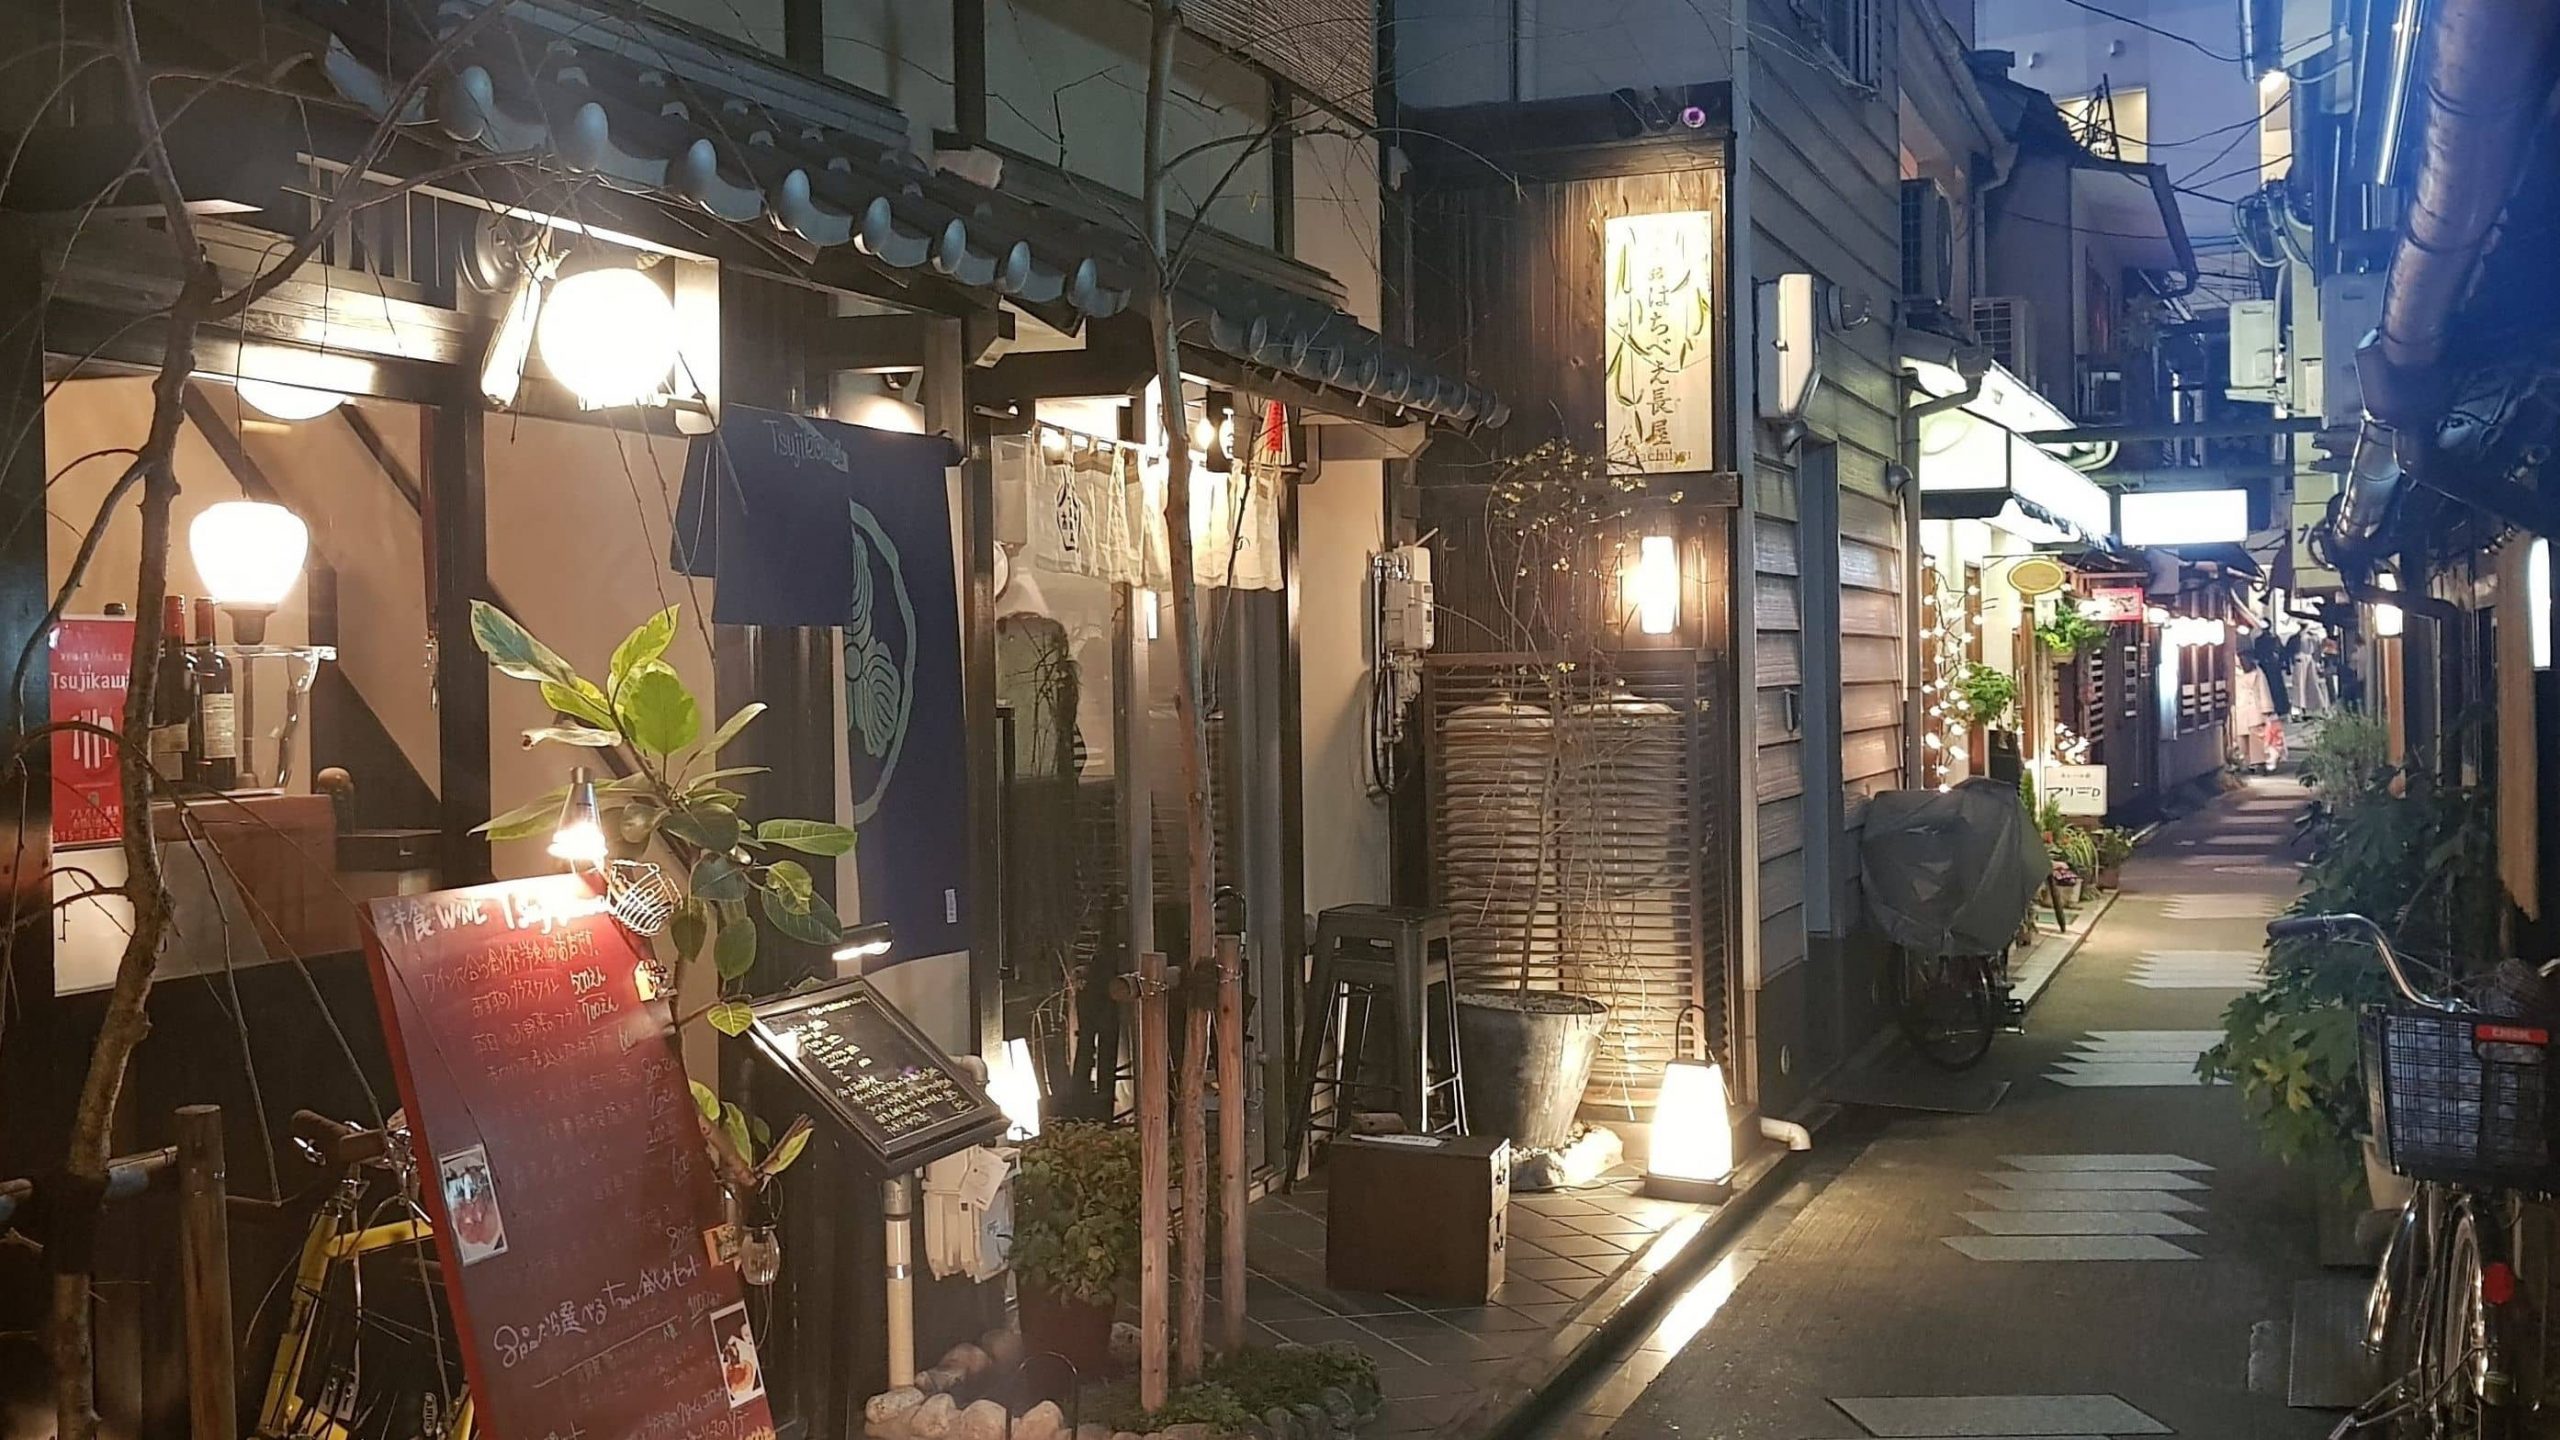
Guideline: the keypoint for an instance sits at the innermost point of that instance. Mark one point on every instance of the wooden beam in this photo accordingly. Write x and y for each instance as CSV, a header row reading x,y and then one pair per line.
x,y
455,528
393,468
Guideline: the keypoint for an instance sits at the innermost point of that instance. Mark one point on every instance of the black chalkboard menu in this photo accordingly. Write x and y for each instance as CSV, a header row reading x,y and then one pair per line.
x,y
904,1102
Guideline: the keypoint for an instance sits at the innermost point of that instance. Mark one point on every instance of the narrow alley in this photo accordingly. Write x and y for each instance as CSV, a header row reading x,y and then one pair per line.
x,y
2088,1258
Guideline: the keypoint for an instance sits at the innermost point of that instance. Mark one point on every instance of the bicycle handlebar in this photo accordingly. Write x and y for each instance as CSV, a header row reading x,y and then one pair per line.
x,y
127,1176
2350,927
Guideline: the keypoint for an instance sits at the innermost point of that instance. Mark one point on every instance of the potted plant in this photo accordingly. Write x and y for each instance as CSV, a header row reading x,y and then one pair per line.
x,y
2113,846
2068,633
1075,1239
1985,696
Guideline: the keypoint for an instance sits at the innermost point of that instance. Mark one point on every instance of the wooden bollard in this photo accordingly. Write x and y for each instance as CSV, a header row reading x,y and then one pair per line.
x,y
1232,1161
1154,1218
204,1259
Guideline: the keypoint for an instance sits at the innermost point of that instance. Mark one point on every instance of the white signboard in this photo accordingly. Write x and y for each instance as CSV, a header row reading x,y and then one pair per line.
x,y
2080,789
1660,316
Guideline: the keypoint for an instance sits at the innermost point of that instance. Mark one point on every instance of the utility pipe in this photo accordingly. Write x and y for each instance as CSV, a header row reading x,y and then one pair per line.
x,y
898,1206
1787,1133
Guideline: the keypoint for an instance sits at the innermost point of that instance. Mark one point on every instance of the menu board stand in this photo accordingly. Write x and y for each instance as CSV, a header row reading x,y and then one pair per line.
x,y
902,1100
563,1164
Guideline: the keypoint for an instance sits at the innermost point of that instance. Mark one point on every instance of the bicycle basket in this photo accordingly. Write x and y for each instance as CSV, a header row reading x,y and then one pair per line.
x,y
2463,1099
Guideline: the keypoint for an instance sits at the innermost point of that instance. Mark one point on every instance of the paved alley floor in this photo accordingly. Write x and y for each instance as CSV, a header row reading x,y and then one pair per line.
x,y
2087,1259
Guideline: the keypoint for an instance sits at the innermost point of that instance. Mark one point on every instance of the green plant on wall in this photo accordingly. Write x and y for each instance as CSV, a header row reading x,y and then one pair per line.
x,y
2068,633
1986,694
677,795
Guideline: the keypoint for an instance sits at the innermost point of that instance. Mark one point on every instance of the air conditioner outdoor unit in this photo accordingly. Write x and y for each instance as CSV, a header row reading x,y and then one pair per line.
x,y
2005,326
2256,342
1928,246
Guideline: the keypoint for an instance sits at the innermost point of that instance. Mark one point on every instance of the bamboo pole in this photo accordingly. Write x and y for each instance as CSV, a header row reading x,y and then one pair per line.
x,y
204,1259
1231,1142
1154,1221
1192,1101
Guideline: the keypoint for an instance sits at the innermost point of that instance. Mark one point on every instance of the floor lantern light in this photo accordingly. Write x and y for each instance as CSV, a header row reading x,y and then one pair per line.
x,y
1692,1154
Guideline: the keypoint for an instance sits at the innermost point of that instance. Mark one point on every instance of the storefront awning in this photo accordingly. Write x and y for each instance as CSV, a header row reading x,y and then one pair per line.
x,y
648,107
1976,464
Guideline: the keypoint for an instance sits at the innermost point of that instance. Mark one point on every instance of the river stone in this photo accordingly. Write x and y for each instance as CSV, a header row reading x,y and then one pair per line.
x,y
1312,1421
1093,1430
1043,1421
966,1358
1124,1342
885,1415
1192,1431
1002,1346
1281,1424
940,1380
982,1421
1339,1407
934,1419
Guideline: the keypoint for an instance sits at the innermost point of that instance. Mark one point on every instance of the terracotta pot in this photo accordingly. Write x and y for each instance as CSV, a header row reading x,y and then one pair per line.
x,y
2110,877
1078,1331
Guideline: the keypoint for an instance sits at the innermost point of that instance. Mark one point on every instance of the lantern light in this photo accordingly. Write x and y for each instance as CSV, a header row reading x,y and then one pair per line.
x,y
248,553
579,838
280,401
1692,1155
502,369
609,335
1657,585
1016,1090
2388,621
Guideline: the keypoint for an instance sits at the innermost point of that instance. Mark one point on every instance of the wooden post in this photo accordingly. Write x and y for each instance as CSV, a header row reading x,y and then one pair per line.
x,y
1154,1220
1231,1142
204,1259
1192,1099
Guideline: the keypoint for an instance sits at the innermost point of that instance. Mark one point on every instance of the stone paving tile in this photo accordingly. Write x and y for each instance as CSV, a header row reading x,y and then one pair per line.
x,y
1548,1268
1575,1287
1602,1248
1417,1416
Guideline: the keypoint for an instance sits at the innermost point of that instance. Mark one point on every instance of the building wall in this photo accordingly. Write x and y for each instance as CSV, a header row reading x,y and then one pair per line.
x,y
1827,548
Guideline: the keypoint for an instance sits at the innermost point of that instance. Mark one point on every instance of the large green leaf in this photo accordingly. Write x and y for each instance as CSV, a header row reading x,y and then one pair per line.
x,y
527,820
735,951
732,1017
718,877
688,932
733,772
809,837
705,1099
733,1121
795,1138
581,701
658,712
816,925
586,735
706,827
790,880
730,727
512,648
643,645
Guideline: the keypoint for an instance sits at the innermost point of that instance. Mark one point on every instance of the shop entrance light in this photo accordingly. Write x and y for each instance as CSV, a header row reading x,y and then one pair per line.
x,y
579,838
609,335
1657,585
277,400
1692,1150
248,553
863,942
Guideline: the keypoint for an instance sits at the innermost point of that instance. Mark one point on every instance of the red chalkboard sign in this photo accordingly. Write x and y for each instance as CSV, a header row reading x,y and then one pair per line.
x,y
561,1159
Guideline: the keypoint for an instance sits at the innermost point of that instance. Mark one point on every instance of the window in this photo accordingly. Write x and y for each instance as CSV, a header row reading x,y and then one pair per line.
x,y
2114,124
1850,30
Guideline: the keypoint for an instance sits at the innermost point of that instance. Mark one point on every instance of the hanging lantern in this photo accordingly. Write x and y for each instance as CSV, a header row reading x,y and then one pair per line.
x,y
609,335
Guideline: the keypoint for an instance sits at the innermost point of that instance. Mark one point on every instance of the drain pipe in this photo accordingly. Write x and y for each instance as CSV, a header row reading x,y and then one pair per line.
x,y
1787,1133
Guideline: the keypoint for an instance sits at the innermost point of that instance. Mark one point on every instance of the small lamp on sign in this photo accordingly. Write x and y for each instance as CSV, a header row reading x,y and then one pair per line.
x,y
579,837
248,553
1692,1155
1657,585
863,942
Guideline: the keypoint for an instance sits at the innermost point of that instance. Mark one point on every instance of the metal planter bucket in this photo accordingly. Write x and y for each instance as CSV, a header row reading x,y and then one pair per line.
x,y
1526,1055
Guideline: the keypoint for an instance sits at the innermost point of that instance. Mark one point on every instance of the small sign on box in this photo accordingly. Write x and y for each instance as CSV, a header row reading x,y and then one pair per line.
x,y
2078,789
2114,604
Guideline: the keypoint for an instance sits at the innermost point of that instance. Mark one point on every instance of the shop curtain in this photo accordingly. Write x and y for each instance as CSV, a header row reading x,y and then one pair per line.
x,y
1099,512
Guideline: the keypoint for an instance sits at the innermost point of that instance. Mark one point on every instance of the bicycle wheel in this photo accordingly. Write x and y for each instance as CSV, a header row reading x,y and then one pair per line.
x,y
1946,1008
2464,1355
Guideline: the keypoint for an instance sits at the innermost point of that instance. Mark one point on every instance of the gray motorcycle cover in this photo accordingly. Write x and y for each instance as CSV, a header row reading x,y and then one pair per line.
x,y
1952,873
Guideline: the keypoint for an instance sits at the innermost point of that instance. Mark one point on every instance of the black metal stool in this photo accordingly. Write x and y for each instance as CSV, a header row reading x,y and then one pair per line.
x,y
1365,953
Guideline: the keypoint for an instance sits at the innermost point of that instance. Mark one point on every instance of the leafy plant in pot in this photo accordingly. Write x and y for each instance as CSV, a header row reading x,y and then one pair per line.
x,y
2112,846
1075,1239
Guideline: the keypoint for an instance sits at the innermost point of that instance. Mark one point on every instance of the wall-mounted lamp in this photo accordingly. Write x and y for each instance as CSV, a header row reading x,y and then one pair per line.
x,y
609,335
867,941
2388,621
1657,585
579,837
502,369
248,553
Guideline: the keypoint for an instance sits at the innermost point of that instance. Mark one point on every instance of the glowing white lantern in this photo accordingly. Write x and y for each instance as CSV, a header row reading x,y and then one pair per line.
x,y
248,553
288,402
1692,1129
609,335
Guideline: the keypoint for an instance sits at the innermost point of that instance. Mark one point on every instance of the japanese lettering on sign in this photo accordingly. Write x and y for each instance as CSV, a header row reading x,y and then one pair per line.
x,y
1660,323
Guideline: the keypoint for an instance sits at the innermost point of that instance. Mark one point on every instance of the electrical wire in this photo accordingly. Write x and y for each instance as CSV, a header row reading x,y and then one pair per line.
x,y
2191,43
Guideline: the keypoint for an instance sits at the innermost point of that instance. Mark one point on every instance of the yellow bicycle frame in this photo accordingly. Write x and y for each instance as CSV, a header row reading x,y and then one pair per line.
x,y
329,1245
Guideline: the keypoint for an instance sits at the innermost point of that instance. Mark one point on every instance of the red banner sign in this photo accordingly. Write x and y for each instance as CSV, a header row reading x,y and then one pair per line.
x,y
91,657
2115,604
563,1163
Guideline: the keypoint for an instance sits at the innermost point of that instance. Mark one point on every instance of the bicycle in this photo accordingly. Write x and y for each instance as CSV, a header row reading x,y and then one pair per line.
x,y
2457,1094
315,1389
1949,1006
